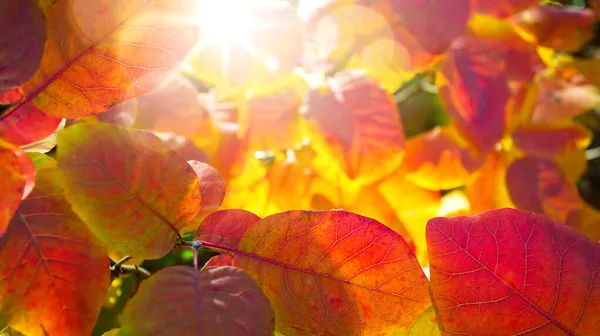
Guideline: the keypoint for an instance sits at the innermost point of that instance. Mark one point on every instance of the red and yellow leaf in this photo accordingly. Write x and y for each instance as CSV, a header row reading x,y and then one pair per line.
x,y
487,190
18,178
359,123
551,140
134,193
564,28
101,53
212,187
54,274
474,90
516,272
215,301
22,42
333,272
520,57
438,160
501,8
426,324
538,185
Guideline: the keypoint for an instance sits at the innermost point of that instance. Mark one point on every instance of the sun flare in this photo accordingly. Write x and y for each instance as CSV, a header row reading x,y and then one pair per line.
x,y
226,21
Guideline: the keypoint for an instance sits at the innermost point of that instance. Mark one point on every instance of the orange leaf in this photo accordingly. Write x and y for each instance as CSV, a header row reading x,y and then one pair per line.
x,y
215,301
516,271
273,121
101,53
18,178
333,272
502,8
360,125
558,99
174,107
23,30
474,91
437,160
487,189
537,184
564,28
212,186
520,57
551,140
134,193
54,272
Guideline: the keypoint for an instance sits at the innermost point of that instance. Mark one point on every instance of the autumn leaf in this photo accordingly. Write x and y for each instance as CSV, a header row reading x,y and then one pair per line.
x,y
18,178
25,128
10,96
474,91
212,186
134,193
225,227
331,272
434,24
215,301
564,28
559,99
520,56
174,106
487,189
538,185
551,140
22,42
359,123
116,51
54,272
425,324
491,266
502,8
219,260
439,159
272,122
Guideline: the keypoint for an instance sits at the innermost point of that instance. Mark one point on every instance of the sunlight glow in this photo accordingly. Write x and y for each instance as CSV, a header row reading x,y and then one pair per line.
x,y
226,21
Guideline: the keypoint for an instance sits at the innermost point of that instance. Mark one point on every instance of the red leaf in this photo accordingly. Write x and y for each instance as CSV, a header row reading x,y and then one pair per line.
x,y
134,193
212,186
54,274
360,123
475,92
565,28
11,96
434,24
216,301
226,227
502,8
219,260
538,185
99,54
22,41
513,272
27,125
18,177
333,272
551,140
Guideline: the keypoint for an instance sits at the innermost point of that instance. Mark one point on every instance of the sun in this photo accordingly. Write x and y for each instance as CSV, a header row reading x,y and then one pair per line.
x,y
227,21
